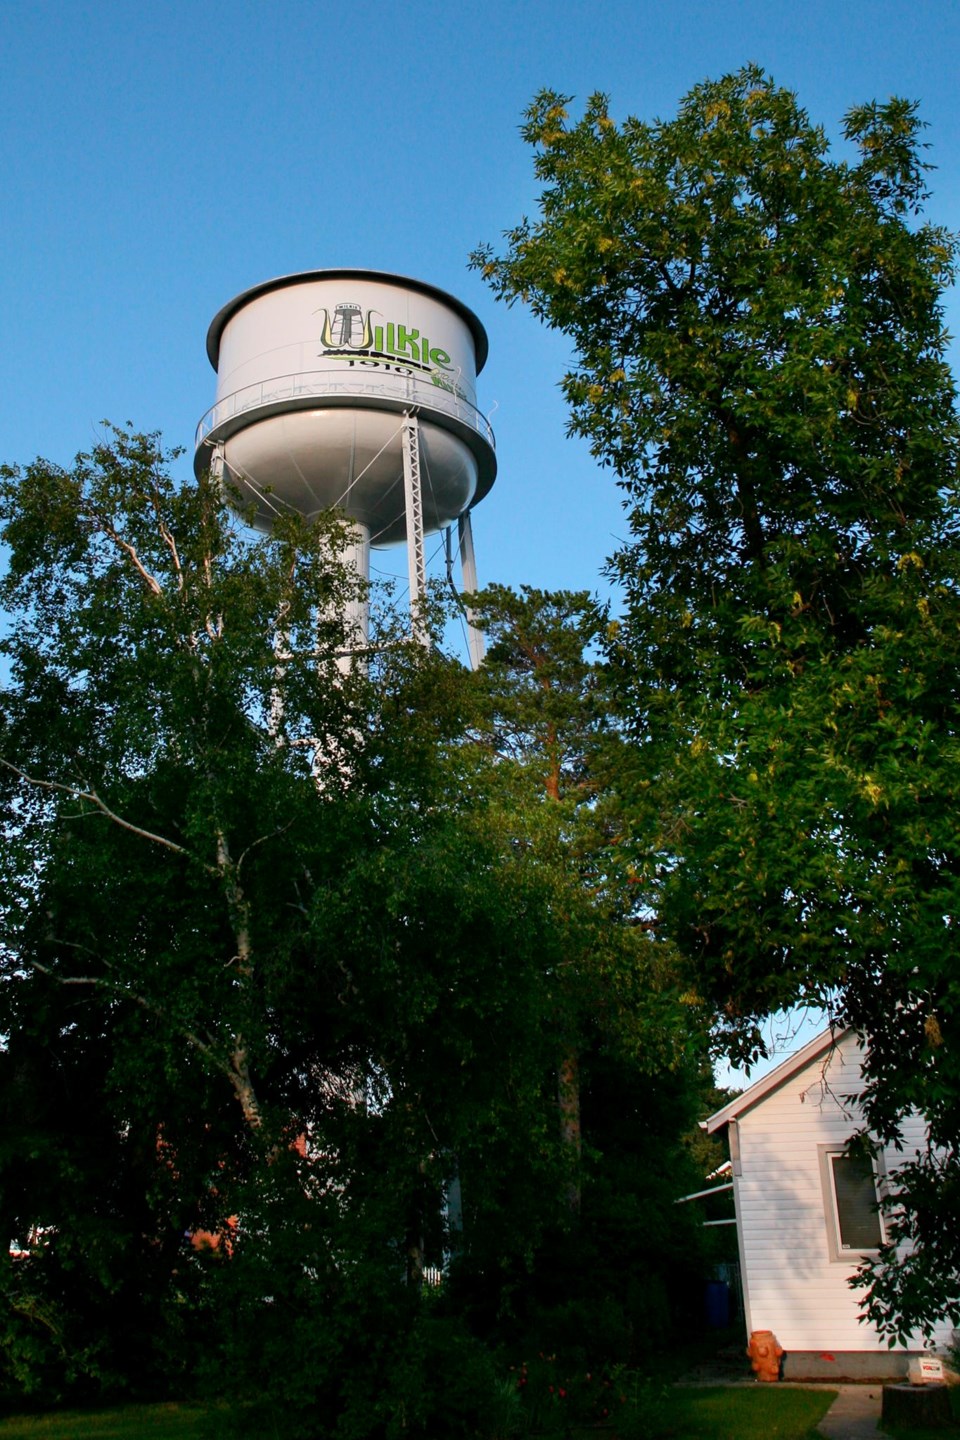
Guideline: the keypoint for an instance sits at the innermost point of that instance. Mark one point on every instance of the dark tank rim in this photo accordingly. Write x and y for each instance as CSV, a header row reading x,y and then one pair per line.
x,y
219,322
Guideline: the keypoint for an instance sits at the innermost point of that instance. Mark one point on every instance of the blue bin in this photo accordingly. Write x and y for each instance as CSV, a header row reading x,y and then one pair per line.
x,y
717,1300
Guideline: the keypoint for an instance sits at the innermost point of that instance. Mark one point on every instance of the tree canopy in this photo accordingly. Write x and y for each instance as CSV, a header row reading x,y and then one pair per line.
x,y
761,359
291,948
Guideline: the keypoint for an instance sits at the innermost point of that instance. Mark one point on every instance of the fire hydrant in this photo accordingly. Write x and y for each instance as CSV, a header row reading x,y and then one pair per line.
x,y
765,1352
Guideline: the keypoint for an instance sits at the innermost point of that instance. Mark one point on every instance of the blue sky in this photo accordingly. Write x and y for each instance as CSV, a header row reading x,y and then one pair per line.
x,y
158,159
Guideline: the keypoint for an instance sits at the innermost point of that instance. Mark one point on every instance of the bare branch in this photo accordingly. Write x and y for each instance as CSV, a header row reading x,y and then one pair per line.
x,y
237,902
91,796
167,536
100,983
238,1072
235,1068
261,840
107,529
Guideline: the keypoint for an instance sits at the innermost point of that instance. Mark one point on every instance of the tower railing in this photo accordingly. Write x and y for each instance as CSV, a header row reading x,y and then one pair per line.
x,y
411,391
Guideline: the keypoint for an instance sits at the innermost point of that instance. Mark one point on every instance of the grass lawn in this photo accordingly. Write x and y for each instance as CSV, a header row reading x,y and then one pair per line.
x,y
128,1422
768,1412
721,1413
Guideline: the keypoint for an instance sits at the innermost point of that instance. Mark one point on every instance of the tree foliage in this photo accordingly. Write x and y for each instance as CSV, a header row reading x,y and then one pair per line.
x,y
289,949
250,917
629,1046
547,714
761,359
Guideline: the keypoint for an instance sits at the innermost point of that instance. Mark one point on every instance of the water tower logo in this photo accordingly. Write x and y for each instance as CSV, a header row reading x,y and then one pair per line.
x,y
348,329
350,332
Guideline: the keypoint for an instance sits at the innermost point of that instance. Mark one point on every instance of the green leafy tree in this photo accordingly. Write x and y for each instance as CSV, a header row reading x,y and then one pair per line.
x,y
761,359
544,710
628,1046
169,700
286,945
264,960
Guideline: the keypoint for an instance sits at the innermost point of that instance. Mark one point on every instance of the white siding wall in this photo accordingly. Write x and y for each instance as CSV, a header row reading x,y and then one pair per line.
x,y
791,1286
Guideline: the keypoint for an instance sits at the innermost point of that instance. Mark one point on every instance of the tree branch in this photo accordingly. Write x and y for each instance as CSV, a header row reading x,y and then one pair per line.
x,y
107,529
236,1068
168,539
94,799
99,983
261,840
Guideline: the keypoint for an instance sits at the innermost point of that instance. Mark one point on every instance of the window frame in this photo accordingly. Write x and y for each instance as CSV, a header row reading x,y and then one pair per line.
x,y
838,1253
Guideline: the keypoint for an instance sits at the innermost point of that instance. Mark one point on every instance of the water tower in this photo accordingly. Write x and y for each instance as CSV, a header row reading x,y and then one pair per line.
x,y
353,390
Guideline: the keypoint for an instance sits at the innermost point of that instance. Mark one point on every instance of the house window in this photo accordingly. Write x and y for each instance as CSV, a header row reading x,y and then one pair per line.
x,y
854,1224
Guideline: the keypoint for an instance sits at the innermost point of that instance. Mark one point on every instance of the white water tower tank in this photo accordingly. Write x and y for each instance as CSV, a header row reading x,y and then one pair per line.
x,y
352,390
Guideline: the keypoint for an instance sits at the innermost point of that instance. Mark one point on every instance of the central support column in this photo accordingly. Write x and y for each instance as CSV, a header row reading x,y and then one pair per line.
x,y
416,561
356,554
468,564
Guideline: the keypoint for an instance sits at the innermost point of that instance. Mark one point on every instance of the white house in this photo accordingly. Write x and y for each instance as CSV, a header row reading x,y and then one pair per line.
x,y
806,1209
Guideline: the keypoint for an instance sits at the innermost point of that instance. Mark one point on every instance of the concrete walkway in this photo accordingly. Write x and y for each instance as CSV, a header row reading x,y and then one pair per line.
x,y
855,1414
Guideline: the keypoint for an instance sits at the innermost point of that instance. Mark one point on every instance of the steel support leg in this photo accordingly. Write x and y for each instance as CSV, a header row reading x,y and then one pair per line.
x,y
416,562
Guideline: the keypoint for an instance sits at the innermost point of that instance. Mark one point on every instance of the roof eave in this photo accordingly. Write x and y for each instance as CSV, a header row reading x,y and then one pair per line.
x,y
773,1079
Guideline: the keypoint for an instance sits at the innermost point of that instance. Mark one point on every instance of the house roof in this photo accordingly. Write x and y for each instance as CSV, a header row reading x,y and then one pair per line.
x,y
773,1079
